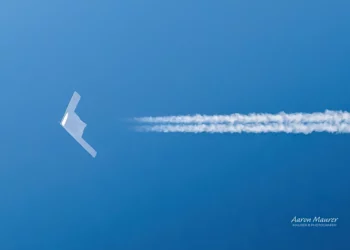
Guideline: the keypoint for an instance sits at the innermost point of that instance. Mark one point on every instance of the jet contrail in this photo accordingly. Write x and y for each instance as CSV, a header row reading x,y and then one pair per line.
x,y
305,123
295,128
327,116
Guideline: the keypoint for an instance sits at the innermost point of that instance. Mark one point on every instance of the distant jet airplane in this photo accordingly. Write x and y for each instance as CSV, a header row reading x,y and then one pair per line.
x,y
74,126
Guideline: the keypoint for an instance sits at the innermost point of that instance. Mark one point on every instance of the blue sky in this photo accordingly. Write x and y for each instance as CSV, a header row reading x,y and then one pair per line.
x,y
170,191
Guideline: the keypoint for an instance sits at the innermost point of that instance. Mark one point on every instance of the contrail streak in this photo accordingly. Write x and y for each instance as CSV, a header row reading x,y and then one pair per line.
x,y
305,123
295,128
327,116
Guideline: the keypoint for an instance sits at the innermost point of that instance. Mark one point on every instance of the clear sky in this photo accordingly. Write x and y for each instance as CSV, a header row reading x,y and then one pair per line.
x,y
171,191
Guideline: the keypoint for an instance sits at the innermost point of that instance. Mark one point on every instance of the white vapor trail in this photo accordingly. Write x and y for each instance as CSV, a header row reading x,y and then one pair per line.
x,y
327,116
295,128
305,123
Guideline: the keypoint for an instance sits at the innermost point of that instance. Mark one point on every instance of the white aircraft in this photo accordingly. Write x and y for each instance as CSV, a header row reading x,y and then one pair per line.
x,y
74,126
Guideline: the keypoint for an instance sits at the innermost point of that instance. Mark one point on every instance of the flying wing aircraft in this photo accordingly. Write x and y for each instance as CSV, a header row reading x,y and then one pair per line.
x,y
74,125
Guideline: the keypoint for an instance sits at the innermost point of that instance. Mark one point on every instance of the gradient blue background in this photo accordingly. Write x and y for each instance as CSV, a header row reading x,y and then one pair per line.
x,y
171,191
